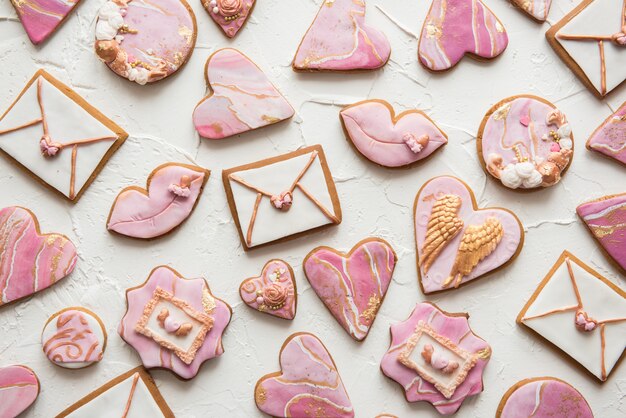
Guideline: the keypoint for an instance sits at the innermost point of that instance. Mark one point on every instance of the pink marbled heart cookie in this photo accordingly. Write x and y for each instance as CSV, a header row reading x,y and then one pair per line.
x,y
273,292
308,385
19,388
340,40
230,15
609,139
30,261
41,18
387,139
537,9
352,285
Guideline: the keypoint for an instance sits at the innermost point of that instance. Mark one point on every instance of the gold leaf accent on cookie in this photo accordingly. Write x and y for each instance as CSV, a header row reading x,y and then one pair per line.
x,y
484,353
443,226
260,395
372,308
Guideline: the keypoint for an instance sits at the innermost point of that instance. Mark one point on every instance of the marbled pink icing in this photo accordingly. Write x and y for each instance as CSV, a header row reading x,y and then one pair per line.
x,y
537,9
242,98
308,385
340,40
353,285
30,261
454,28
73,340
606,218
385,141
456,329
41,18
546,398
19,389
223,13
171,198
610,137
440,269
196,293
275,284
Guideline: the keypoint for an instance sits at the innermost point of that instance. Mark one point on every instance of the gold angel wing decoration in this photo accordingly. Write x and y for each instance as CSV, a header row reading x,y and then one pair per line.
x,y
478,242
443,226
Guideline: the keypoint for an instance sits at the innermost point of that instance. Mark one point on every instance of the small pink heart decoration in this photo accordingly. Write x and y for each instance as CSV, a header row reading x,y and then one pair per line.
x,y
524,120
273,292
19,389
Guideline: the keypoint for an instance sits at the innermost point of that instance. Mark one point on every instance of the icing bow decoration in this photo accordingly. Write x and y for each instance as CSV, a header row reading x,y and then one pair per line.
x,y
49,148
172,326
583,322
282,201
415,144
437,361
182,189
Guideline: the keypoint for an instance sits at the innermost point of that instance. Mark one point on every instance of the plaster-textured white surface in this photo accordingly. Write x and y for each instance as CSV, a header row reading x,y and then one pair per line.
x,y
375,202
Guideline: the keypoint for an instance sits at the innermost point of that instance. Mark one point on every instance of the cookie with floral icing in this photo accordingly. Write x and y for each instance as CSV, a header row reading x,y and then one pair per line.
x,y
273,292
454,28
340,40
525,142
543,397
387,139
436,358
145,40
230,15
41,18
537,9
241,97
609,139
308,384
19,389
171,194
174,323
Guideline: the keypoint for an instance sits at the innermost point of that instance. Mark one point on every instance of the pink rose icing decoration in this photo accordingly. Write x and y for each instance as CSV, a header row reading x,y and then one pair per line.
x,y
453,337
340,40
230,15
308,384
242,98
391,140
30,261
172,193
352,285
454,28
41,18
537,9
609,138
19,389
273,292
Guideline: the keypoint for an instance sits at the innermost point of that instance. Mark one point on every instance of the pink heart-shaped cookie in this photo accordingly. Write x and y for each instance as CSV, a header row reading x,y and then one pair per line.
x,y
41,18
308,384
454,28
339,40
609,139
390,140
353,285
242,98
19,388
273,292
230,15
537,9
456,241
30,261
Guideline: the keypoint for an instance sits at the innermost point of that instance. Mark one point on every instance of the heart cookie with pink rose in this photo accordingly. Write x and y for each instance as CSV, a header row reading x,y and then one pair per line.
x,y
273,292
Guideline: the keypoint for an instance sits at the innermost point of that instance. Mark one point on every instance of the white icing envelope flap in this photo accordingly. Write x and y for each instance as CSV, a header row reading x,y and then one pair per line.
x,y
57,136
282,196
581,313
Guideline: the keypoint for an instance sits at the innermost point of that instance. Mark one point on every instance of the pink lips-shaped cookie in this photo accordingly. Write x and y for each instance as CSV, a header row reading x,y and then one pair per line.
x,y
308,384
353,285
390,140
30,261
273,292
456,241
230,15
242,98
454,28
339,40
19,389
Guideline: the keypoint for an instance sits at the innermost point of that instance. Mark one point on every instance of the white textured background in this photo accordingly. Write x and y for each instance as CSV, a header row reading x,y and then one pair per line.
x,y
375,201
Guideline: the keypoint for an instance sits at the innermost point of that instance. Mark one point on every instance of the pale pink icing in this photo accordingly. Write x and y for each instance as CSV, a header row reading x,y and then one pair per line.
x,y
230,24
169,202
304,359
41,18
538,9
610,138
371,129
73,340
440,270
454,28
340,40
352,286
242,98
454,328
19,388
29,261
275,273
194,292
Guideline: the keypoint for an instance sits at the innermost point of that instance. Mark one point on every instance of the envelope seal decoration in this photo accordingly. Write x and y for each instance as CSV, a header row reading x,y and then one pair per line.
x,y
591,40
436,358
537,9
581,313
273,292
19,389
242,98
389,140
609,139
53,133
282,197
308,385
352,285
340,40
41,18
457,242
174,323
171,194
230,15
454,28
